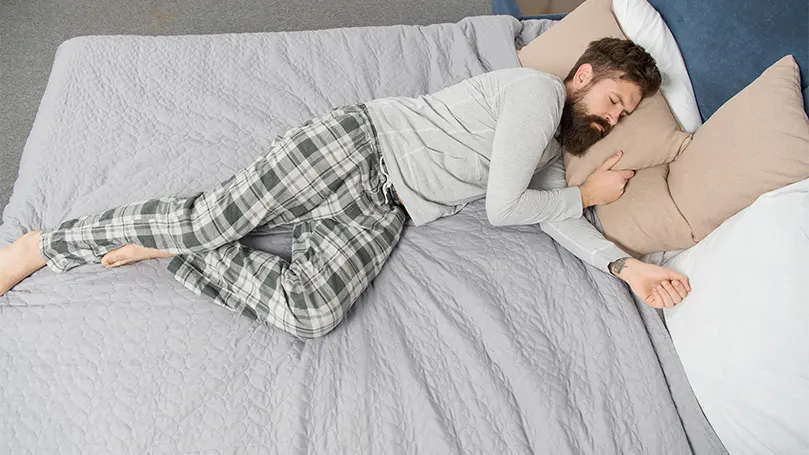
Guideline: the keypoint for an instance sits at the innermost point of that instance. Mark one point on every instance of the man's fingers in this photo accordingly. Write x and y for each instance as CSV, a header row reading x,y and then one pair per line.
x,y
627,174
682,278
661,299
680,287
664,297
610,162
670,300
658,302
675,296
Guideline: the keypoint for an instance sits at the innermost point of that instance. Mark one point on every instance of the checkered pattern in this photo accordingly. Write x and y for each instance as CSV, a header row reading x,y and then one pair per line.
x,y
325,177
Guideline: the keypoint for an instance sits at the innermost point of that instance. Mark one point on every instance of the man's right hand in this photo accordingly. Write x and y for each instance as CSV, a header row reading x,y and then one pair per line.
x,y
605,185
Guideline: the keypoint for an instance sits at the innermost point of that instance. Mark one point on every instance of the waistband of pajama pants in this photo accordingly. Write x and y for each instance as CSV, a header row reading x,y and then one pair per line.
x,y
388,184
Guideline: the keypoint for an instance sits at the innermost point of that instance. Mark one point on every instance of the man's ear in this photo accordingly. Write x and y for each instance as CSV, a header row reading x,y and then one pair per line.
x,y
583,76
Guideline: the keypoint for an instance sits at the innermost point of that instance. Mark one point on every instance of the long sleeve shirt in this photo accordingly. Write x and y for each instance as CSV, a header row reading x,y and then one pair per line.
x,y
491,136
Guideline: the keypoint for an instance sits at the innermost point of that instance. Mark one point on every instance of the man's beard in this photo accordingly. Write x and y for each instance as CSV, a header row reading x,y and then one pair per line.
x,y
577,132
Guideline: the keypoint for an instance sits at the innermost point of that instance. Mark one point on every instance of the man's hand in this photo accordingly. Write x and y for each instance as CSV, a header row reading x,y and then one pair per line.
x,y
605,185
656,286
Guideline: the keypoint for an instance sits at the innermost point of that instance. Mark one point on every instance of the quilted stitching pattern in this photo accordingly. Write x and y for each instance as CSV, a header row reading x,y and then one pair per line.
x,y
473,339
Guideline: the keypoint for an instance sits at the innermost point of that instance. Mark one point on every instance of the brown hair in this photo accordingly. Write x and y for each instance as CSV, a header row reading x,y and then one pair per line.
x,y
613,58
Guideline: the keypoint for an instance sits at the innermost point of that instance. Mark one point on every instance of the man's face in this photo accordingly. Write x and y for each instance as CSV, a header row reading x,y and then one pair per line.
x,y
592,109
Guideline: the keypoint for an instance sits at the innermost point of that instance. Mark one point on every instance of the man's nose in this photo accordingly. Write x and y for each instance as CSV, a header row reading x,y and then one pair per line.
x,y
614,115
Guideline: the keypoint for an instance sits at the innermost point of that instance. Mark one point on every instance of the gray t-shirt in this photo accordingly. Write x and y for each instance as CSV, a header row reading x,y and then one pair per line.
x,y
489,136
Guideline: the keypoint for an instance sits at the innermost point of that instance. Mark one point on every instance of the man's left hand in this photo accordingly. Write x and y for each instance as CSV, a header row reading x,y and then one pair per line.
x,y
656,286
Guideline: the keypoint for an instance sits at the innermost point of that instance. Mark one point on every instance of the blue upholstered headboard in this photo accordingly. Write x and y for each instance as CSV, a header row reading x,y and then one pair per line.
x,y
726,44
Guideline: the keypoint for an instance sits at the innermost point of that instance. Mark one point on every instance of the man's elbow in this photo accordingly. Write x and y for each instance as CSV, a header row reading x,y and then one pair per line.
x,y
497,215
498,221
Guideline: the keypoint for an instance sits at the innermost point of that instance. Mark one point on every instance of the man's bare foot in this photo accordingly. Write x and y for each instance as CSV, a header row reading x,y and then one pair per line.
x,y
130,254
19,260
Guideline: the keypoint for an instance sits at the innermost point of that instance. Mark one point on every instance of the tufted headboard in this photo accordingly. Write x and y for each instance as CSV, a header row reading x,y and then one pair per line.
x,y
726,44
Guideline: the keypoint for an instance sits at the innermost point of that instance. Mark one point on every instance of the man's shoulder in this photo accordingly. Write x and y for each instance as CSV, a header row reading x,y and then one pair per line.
x,y
521,73
525,79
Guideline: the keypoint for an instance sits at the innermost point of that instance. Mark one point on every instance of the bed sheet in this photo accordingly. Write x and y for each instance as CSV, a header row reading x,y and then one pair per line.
x,y
473,339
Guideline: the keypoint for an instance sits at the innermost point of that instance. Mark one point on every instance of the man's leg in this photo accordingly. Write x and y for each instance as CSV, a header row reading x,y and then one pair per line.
x,y
19,260
303,168
333,262
171,224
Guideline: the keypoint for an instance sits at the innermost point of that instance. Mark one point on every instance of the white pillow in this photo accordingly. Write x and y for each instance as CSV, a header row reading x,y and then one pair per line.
x,y
642,24
742,334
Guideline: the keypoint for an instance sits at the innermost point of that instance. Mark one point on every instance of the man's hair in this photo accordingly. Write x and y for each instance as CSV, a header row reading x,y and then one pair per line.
x,y
613,58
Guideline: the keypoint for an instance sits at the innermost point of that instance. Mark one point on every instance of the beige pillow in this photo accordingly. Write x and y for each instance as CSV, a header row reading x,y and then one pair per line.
x,y
650,136
756,142
645,220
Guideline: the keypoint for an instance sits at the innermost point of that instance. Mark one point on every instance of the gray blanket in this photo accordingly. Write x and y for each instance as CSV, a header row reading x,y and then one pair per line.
x,y
473,339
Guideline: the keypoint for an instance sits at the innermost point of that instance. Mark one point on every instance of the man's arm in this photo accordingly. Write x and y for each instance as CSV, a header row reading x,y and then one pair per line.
x,y
656,286
577,235
528,112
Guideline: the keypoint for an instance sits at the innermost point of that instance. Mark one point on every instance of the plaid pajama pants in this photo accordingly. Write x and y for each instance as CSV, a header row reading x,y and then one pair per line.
x,y
325,177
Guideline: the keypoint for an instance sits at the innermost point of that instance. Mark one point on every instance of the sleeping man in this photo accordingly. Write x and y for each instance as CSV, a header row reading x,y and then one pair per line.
x,y
347,181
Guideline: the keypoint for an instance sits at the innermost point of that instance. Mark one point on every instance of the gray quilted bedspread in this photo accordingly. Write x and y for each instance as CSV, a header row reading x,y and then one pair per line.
x,y
473,339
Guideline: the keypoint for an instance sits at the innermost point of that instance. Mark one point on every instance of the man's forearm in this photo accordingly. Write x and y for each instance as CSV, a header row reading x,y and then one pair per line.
x,y
577,235
582,239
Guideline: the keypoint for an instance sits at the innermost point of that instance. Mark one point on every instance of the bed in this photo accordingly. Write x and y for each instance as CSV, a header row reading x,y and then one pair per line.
x,y
473,339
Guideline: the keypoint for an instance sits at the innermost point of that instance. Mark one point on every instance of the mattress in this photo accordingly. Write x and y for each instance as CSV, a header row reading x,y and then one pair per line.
x,y
473,339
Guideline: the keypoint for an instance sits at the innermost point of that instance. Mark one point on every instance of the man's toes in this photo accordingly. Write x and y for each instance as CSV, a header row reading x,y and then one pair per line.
x,y
112,257
123,262
106,261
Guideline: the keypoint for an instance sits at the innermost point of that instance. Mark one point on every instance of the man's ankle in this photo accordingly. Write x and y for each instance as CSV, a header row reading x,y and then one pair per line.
x,y
33,256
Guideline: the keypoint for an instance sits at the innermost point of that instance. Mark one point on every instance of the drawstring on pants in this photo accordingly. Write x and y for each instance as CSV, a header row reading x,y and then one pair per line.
x,y
388,184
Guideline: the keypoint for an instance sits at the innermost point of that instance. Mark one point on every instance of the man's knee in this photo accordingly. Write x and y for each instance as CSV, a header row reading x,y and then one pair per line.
x,y
310,320
306,329
314,331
